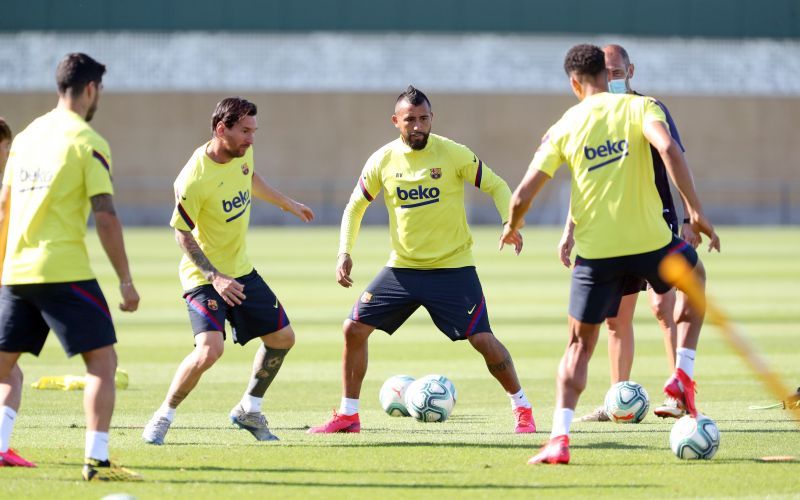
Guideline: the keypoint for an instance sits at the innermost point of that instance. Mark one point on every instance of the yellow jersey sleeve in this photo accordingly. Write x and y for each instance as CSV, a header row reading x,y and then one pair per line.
x,y
653,113
548,157
188,202
97,171
368,187
473,170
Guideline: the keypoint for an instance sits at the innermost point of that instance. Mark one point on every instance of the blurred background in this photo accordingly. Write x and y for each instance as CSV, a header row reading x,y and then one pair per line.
x,y
325,75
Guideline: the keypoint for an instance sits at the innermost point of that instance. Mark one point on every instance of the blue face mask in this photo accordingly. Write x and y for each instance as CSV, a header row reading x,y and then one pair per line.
x,y
617,87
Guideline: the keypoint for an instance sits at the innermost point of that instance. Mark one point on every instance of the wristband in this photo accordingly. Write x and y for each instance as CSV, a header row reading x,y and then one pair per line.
x,y
687,221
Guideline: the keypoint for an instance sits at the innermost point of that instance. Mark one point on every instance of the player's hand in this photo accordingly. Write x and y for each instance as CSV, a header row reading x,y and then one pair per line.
x,y
700,224
301,211
130,297
689,236
231,291
511,237
565,247
343,267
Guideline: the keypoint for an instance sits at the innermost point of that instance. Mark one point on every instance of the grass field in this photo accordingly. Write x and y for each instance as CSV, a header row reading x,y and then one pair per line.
x,y
472,455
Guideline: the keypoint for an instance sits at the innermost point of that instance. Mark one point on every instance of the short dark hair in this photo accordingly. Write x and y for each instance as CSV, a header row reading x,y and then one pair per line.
x,y
230,110
585,59
76,71
414,96
5,130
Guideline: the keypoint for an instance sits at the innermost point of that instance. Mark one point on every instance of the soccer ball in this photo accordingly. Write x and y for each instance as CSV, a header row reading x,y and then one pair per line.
x,y
692,438
447,383
392,395
627,402
429,400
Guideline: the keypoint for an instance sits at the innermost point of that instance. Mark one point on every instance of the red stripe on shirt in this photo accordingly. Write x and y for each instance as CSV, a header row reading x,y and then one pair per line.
x,y
364,190
479,174
186,218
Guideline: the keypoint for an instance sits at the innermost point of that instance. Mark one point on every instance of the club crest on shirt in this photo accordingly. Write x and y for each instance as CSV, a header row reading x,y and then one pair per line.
x,y
245,169
366,297
212,304
436,173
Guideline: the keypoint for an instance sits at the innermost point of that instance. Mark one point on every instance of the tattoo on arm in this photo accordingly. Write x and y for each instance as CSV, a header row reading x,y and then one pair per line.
x,y
501,366
192,250
103,203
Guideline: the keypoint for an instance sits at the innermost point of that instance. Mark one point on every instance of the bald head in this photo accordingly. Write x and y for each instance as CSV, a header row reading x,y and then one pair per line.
x,y
619,68
615,50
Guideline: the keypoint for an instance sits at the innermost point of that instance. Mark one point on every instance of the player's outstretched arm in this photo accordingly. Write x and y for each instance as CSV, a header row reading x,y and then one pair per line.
x,y
264,191
109,230
657,134
520,203
231,291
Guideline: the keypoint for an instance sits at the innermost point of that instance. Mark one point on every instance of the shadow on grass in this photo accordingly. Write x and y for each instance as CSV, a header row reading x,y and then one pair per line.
x,y
368,485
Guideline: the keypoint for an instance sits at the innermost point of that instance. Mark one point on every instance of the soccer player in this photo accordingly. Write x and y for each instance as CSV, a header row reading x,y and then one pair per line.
x,y
619,229
212,213
58,169
422,176
620,327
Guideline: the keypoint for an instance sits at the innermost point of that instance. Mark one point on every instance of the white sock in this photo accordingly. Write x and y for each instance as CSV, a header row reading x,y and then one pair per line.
x,y
519,400
165,411
251,404
685,360
348,406
562,418
6,426
97,445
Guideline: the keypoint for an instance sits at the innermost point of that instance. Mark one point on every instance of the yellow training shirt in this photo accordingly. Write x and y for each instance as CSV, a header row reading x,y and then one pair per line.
x,y
424,194
212,200
56,164
615,204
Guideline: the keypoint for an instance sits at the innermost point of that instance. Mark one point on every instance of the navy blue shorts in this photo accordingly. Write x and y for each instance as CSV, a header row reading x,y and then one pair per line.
x,y
453,298
259,314
77,313
598,284
634,284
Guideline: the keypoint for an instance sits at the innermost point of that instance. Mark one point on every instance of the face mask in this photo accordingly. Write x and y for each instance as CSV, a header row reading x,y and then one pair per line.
x,y
617,87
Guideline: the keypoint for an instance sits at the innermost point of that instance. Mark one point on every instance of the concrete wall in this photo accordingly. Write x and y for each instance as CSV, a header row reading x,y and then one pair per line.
x,y
313,145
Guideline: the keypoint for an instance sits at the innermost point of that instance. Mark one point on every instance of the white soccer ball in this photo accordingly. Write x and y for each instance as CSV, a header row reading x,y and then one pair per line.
x,y
627,402
429,400
447,383
694,438
392,395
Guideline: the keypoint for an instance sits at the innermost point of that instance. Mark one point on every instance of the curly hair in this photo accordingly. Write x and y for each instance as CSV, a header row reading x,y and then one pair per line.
x,y
585,59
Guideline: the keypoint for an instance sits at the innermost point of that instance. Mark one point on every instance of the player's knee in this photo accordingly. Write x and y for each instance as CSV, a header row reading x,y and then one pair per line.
x,y
483,341
208,354
101,362
614,326
355,332
282,339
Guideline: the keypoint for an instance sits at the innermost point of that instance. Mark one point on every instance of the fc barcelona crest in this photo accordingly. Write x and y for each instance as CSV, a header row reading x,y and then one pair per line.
x,y
436,173
366,297
245,169
212,304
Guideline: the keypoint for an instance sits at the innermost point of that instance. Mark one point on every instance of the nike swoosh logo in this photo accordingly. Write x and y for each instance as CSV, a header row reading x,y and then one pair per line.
x,y
469,311
183,198
474,159
276,304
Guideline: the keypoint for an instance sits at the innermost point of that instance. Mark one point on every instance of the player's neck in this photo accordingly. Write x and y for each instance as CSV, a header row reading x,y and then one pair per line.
x,y
77,106
217,152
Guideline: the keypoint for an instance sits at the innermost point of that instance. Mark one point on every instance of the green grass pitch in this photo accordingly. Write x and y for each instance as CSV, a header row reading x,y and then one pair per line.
x,y
472,455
